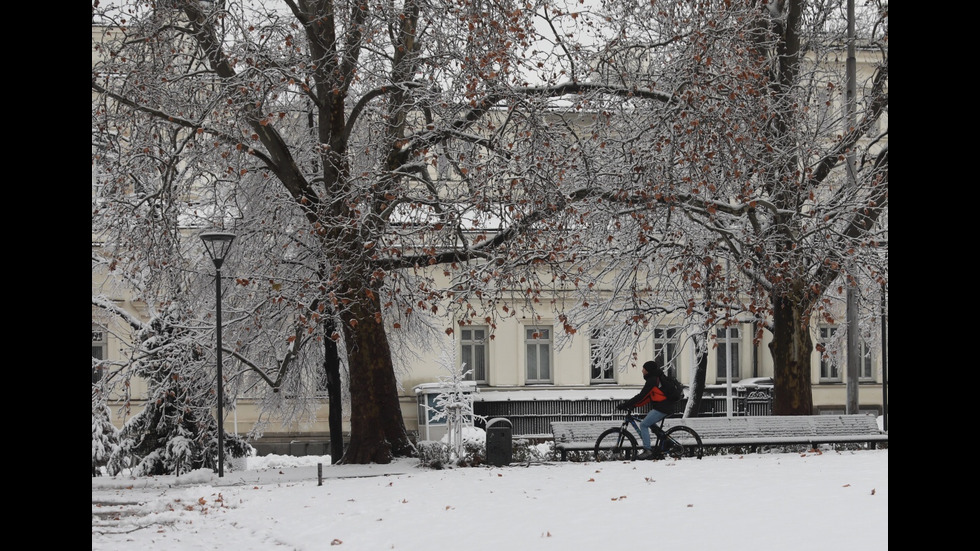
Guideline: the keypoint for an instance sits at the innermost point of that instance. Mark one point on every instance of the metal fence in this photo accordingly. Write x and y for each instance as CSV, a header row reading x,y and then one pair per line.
x,y
744,402
532,418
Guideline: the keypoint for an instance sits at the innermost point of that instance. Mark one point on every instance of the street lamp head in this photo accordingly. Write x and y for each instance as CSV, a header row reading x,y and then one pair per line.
x,y
217,245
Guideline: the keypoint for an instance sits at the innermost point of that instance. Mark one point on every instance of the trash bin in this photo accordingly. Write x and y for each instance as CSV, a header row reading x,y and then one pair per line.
x,y
500,448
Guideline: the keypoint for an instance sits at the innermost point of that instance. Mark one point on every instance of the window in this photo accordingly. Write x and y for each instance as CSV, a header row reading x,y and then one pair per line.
x,y
866,370
602,356
98,353
665,348
537,354
829,371
833,357
723,337
429,411
473,352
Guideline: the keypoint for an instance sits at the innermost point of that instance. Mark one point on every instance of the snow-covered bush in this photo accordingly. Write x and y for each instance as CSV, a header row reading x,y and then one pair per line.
x,y
433,454
526,452
471,451
175,432
105,438
472,447
439,455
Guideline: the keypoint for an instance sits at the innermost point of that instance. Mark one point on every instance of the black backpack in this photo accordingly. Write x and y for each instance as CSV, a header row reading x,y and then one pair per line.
x,y
671,387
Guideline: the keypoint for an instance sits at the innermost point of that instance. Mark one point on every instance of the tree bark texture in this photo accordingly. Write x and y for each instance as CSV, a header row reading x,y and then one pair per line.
x,y
335,410
697,385
377,426
791,348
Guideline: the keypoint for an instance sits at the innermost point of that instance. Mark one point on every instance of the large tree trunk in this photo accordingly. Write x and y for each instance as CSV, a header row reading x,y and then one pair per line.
x,y
335,411
696,391
791,347
377,425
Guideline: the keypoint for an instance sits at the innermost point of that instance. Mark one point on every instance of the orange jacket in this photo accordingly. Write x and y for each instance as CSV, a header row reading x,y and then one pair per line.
x,y
650,393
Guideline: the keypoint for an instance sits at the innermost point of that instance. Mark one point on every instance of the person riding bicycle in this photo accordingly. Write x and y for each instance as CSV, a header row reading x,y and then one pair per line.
x,y
651,393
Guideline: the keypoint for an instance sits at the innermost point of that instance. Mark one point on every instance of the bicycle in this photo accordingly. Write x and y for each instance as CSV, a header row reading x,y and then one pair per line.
x,y
618,444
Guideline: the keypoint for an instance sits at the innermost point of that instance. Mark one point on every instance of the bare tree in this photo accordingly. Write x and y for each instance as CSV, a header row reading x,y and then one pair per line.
x,y
668,155
361,150
736,203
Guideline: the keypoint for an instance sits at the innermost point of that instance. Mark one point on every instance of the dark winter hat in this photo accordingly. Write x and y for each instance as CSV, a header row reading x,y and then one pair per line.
x,y
651,366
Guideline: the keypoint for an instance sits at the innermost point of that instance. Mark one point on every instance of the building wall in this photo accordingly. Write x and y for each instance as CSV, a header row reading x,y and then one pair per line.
x,y
507,359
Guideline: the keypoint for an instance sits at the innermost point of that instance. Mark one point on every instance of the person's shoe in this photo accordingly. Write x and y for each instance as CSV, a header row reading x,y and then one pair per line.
x,y
647,454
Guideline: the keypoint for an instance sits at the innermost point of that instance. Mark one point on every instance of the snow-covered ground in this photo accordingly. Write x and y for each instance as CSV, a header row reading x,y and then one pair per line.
x,y
801,501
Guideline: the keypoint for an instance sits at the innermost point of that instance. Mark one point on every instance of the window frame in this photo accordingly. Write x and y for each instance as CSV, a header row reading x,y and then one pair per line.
x,y
477,373
667,336
829,360
100,341
602,356
538,344
866,366
721,351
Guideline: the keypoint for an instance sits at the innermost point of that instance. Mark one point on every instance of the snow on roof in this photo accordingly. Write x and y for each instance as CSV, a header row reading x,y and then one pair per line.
x,y
439,386
594,393
491,394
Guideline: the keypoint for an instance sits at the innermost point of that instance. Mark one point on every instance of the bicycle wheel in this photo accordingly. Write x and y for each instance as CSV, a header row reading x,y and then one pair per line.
x,y
683,442
615,445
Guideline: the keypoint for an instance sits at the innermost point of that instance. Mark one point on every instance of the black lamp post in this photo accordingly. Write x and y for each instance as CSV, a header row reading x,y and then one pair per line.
x,y
217,245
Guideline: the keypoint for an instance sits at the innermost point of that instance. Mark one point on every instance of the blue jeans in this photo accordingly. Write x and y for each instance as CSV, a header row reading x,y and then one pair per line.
x,y
650,420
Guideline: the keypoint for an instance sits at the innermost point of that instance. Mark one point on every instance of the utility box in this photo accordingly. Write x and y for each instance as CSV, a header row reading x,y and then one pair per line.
x,y
500,446
432,425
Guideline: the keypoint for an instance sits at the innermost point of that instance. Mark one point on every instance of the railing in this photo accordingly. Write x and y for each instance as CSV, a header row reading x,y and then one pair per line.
x,y
532,418
745,402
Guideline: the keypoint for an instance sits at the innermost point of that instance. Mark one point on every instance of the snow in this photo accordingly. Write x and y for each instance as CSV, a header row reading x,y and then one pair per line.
x,y
815,500
598,393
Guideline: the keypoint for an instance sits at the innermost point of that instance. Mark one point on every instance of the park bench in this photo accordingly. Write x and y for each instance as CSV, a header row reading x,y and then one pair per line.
x,y
752,431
